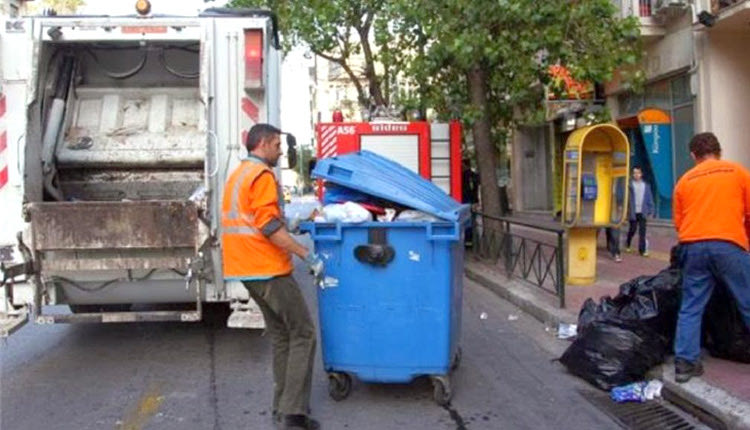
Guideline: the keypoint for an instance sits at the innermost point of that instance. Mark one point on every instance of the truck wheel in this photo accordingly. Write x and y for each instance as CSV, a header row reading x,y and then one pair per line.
x,y
441,393
339,385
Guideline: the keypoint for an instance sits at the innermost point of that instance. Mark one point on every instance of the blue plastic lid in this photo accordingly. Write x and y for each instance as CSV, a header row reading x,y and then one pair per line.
x,y
378,176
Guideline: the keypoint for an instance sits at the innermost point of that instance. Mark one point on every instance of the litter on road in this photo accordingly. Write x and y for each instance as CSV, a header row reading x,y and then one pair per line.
x,y
637,392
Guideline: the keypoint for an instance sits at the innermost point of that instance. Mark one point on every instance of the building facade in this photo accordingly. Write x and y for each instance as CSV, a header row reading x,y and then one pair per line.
x,y
698,79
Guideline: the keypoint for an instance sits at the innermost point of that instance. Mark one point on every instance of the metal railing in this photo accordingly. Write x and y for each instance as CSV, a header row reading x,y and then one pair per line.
x,y
525,250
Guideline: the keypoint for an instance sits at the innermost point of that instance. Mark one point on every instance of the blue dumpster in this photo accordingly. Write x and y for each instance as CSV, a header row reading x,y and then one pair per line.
x,y
390,304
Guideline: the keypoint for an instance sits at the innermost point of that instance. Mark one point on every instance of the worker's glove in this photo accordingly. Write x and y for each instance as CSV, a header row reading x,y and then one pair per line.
x,y
315,263
292,224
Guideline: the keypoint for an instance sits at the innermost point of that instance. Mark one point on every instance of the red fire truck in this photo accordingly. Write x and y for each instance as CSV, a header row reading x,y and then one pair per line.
x,y
433,150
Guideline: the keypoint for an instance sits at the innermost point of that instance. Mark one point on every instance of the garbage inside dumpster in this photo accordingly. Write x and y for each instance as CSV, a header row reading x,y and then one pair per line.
x,y
394,310
346,212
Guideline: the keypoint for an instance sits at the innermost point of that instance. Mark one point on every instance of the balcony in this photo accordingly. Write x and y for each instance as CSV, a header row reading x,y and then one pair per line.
x,y
725,15
644,10
722,5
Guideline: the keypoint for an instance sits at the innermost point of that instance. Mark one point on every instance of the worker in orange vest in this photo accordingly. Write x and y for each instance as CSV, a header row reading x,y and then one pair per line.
x,y
257,250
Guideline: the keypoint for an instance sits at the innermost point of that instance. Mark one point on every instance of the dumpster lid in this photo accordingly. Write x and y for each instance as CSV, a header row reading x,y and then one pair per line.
x,y
378,176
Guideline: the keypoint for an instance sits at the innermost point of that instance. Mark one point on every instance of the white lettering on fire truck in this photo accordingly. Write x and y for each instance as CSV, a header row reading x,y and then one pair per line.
x,y
390,128
347,129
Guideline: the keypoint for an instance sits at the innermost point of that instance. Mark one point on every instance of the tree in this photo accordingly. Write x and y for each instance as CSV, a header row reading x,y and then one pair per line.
x,y
63,7
486,61
489,60
306,156
342,31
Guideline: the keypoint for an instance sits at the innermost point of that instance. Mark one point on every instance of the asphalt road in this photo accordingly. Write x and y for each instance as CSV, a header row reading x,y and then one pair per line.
x,y
207,376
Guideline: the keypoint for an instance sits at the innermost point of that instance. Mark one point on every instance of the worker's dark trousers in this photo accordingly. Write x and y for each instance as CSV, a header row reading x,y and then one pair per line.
x,y
293,337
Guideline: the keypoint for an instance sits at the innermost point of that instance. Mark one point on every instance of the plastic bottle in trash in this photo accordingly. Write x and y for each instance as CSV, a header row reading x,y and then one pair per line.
x,y
637,391
629,393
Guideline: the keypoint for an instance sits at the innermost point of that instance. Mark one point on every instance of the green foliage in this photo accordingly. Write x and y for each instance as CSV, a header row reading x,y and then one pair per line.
x,y
515,42
64,7
357,35
437,45
306,154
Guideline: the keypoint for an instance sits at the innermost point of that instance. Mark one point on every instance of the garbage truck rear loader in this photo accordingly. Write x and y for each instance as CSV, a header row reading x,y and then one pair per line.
x,y
132,125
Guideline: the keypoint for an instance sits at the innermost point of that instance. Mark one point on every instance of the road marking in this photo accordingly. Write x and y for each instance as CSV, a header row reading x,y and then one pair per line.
x,y
147,407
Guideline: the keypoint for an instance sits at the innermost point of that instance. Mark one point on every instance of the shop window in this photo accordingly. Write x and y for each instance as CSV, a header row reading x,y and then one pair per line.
x,y
683,128
658,95
681,90
674,96
629,103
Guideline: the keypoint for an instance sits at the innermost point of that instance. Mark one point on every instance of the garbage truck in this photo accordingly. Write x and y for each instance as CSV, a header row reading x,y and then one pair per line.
x,y
124,130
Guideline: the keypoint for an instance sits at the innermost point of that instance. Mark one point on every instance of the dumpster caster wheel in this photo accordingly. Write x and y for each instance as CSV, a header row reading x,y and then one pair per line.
x,y
339,386
441,392
456,359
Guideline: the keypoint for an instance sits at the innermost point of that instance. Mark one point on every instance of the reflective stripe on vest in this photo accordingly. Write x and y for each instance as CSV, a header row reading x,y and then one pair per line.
x,y
234,221
246,252
241,229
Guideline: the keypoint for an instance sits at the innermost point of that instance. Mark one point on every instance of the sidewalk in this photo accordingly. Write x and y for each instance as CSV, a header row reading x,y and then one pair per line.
x,y
724,389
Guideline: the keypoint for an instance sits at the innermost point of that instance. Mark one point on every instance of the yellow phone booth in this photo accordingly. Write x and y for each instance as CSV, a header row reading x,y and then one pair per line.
x,y
595,193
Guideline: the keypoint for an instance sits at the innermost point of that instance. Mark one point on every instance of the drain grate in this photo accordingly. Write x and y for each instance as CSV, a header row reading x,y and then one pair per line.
x,y
639,416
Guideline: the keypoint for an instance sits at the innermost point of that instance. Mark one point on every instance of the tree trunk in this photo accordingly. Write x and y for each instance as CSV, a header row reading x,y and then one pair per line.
x,y
485,149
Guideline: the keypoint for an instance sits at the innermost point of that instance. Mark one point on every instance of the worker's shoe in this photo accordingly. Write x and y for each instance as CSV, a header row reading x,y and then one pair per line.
x,y
684,370
300,422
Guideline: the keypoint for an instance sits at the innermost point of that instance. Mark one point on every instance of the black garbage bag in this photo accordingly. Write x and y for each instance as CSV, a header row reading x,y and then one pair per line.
x,y
621,338
724,332
654,301
613,353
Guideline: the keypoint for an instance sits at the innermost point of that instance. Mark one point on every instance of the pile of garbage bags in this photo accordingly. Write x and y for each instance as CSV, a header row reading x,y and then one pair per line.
x,y
619,339
724,333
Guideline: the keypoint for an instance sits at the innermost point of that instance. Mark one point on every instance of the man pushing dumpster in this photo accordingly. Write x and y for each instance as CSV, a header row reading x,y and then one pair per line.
x,y
257,250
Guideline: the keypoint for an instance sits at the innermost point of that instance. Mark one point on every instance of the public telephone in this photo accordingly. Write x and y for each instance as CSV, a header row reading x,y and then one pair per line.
x,y
588,187
595,193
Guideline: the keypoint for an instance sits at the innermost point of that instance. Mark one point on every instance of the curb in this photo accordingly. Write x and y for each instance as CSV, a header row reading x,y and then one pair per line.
x,y
700,397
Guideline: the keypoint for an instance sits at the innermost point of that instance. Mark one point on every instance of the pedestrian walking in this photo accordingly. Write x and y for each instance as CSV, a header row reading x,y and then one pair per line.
x,y
712,218
257,250
613,243
640,207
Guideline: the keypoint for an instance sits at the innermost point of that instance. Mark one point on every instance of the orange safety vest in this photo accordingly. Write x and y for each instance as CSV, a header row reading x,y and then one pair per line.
x,y
247,253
